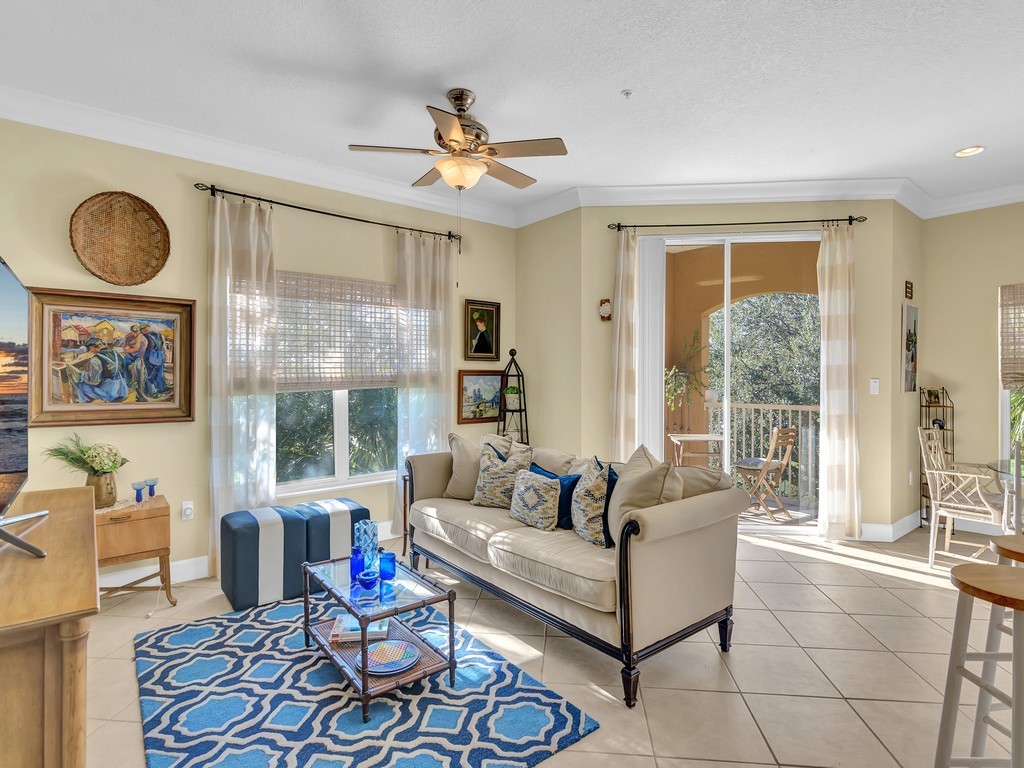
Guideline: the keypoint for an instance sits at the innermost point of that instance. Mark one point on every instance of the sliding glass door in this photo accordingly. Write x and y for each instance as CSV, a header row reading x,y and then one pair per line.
x,y
730,350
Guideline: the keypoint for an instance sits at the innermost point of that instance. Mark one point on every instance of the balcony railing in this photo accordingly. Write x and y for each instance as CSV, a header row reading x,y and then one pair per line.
x,y
750,435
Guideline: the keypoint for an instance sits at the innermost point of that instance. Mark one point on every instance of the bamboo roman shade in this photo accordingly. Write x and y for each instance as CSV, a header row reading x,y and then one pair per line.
x,y
1011,336
334,333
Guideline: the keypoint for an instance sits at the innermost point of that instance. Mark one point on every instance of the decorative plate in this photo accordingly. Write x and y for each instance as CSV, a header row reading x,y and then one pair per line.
x,y
389,657
120,238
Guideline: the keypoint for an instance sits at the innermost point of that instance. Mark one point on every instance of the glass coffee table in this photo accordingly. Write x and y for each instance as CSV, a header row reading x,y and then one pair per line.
x,y
388,600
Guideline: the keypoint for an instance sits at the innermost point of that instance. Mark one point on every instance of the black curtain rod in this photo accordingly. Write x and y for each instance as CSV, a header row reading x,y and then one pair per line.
x,y
847,219
215,190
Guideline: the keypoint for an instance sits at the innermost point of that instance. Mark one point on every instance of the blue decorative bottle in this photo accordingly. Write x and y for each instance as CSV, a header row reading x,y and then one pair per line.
x,y
366,540
355,563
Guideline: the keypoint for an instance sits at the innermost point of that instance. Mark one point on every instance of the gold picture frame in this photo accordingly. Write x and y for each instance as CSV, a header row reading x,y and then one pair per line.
x,y
482,331
105,358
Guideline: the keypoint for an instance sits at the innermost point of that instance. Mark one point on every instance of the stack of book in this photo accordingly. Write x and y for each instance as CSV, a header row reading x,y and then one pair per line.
x,y
346,629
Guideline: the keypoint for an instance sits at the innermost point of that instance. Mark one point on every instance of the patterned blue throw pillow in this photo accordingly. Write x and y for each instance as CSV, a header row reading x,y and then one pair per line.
x,y
535,500
590,503
498,475
567,485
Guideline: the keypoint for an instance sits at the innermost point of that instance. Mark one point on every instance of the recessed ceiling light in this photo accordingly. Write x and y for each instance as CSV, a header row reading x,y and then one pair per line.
x,y
968,151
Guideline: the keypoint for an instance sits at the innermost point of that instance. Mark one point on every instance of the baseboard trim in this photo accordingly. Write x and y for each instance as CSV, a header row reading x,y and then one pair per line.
x,y
181,570
893,532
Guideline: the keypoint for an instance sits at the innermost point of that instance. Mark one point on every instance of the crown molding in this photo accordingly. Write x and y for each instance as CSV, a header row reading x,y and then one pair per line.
x,y
976,201
45,112
34,109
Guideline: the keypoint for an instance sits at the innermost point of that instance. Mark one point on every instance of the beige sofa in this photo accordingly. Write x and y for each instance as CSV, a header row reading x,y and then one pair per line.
x,y
670,575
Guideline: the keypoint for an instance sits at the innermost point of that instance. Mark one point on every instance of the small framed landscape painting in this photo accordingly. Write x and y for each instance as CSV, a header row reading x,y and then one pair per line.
x,y
103,358
483,323
479,394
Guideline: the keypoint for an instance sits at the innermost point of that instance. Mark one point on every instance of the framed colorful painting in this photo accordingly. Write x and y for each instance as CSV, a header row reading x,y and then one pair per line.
x,y
105,358
479,394
909,352
483,324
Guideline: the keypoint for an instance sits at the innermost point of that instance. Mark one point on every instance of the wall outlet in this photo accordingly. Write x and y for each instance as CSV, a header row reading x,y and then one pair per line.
x,y
188,510
873,386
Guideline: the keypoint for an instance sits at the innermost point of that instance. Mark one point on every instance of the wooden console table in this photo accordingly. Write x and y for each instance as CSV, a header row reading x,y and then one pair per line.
x,y
44,625
136,532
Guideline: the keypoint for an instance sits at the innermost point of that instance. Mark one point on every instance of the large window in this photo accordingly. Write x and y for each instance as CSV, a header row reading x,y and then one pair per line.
x,y
336,402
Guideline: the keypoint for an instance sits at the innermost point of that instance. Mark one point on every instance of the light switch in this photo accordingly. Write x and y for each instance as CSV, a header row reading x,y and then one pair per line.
x,y
873,386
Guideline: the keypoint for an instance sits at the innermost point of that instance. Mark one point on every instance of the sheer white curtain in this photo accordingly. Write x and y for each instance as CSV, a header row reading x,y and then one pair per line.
x,y
624,349
243,355
423,298
839,473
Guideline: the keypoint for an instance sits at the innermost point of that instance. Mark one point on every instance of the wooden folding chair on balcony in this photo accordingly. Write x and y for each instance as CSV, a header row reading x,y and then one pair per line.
x,y
762,475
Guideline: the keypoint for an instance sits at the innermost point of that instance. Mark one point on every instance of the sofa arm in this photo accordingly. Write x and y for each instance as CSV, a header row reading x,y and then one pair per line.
x,y
677,565
686,515
429,474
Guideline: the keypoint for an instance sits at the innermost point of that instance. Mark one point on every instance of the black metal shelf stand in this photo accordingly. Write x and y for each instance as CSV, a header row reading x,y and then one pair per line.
x,y
513,421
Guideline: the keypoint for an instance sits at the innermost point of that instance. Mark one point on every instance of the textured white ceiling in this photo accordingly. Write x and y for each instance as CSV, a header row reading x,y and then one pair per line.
x,y
723,92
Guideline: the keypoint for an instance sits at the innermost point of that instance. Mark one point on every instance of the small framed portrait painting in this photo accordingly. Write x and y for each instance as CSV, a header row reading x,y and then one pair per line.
x,y
479,394
932,397
483,324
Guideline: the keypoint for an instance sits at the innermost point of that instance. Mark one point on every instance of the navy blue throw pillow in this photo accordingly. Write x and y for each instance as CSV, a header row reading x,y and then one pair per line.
x,y
567,485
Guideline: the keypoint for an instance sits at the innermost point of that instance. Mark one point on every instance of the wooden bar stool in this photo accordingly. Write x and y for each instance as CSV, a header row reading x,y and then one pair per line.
x,y
1003,587
1010,550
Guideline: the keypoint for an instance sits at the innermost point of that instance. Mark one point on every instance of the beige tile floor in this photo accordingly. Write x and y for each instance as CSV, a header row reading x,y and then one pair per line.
x,y
838,660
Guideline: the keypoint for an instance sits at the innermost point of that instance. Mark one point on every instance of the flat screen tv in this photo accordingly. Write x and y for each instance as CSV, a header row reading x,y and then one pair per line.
x,y
13,400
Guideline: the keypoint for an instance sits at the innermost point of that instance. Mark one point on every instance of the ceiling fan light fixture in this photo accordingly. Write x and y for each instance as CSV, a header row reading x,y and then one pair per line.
x,y
460,172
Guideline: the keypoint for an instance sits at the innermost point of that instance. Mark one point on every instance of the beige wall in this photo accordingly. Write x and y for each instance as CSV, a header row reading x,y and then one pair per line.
x,y
46,174
877,306
966,258
548,268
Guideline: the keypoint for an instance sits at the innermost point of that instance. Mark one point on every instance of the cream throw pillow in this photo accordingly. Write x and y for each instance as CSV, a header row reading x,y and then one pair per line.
x,y
643,482
466,463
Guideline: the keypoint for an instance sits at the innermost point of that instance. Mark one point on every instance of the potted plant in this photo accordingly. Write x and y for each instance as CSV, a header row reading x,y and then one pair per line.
x,y
99,462
512,401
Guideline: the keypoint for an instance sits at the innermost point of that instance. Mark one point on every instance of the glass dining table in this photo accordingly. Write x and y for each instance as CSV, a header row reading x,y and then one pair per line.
x,y
1014,470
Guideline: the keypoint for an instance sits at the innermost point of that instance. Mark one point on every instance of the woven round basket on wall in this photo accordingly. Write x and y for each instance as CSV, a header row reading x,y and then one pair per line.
x,y
120,238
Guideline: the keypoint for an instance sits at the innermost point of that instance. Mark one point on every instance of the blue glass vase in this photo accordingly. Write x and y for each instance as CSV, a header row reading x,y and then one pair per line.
x,y
366,540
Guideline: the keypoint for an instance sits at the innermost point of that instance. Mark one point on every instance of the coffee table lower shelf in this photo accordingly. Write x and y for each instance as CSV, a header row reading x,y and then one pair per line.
x,y
347,657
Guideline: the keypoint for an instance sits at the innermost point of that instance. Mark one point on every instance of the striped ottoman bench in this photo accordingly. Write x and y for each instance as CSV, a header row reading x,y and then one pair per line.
x,y
262,550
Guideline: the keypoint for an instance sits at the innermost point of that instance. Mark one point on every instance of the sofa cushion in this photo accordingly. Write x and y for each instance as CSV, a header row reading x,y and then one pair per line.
x,y
535,500
466,463
498,475
559,561
698,480
553,461
643,482
459,523
567,484
590,503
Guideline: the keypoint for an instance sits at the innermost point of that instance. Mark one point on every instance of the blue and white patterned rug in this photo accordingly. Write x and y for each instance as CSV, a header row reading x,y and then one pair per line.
x,y
242,691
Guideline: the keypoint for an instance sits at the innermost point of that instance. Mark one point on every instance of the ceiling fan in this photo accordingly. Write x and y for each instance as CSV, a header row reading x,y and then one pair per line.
x,y
465,155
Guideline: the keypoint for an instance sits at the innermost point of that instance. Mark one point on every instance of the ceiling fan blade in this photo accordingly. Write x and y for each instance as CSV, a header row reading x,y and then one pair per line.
x,y
506,174
526,148
427,178
368,148
448,126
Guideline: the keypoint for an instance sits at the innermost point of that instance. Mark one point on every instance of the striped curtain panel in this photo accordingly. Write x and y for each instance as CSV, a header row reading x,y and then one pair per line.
x,y
839,470
624,349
